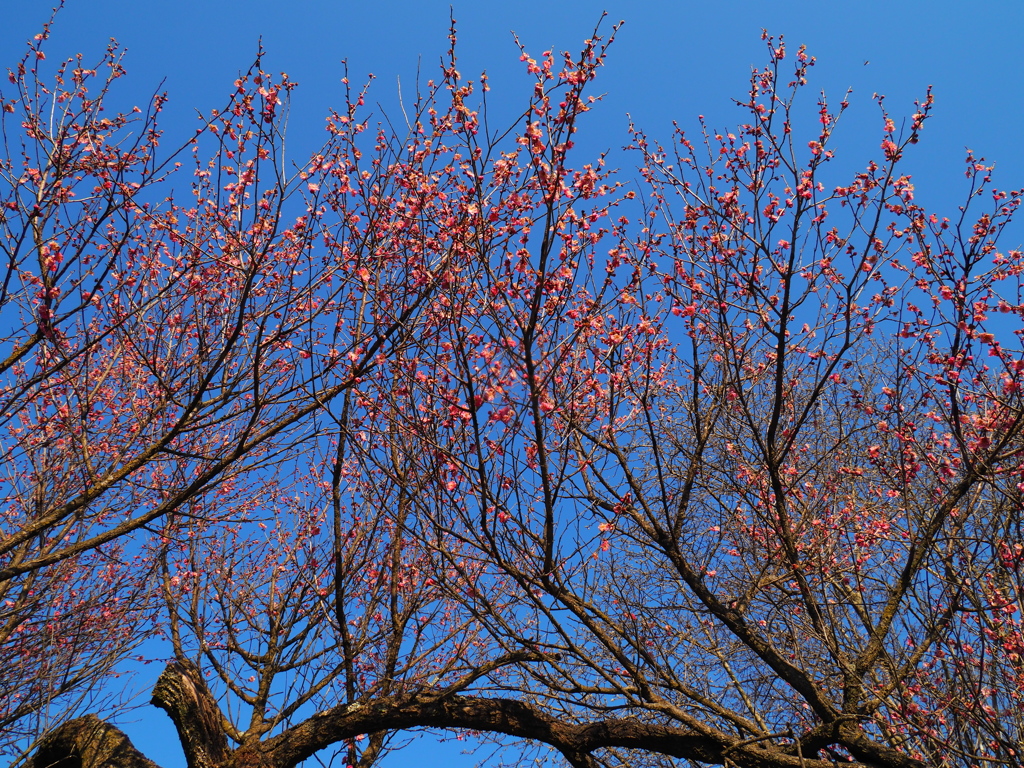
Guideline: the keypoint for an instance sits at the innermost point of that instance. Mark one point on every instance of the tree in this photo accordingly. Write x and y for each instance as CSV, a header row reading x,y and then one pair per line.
x,y
165,358
733,480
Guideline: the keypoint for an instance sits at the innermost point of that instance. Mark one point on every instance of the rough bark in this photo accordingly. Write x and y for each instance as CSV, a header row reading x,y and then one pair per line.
x,y
520,719
183,694
88,742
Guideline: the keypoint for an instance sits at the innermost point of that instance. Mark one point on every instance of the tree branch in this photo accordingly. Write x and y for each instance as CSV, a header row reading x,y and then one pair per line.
x,y
88,742
183,694
523,720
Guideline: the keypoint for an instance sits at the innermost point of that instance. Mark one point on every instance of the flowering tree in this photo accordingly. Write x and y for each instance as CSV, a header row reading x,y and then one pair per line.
x,y
735,481
164,356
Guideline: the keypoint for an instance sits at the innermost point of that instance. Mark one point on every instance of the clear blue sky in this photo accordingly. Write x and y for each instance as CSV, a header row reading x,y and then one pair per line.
x,y
672,61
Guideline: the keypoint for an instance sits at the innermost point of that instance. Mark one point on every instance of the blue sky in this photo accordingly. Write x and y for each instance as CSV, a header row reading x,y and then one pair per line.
x,y
671,61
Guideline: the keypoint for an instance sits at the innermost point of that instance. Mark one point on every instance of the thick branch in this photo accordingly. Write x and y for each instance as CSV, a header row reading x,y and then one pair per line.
x,y
873,753
523,720
182,693
88,742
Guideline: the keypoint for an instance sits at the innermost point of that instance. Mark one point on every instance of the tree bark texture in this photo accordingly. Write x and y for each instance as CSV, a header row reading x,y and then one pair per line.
x,y
88,742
